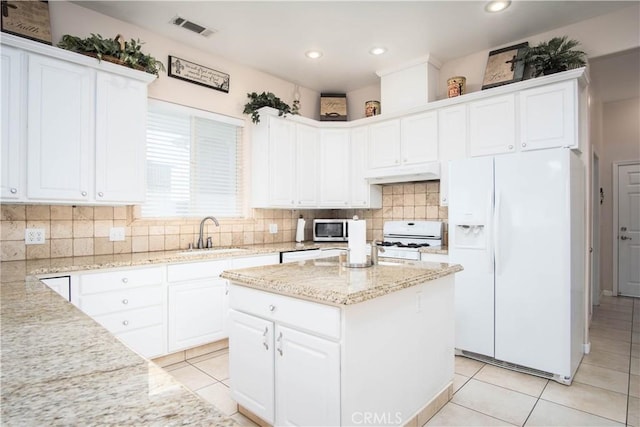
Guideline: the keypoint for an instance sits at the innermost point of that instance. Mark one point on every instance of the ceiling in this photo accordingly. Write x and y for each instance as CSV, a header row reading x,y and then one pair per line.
x,y
273,36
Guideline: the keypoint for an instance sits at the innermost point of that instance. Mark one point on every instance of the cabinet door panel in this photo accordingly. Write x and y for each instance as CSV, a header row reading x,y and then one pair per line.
x,y
197,313
282,155
547,116
60,134
360,188
148,342
13,125
334,168
251,359
307,159
452,131
121,111
384,144
492,126
316,399
125,299
419,136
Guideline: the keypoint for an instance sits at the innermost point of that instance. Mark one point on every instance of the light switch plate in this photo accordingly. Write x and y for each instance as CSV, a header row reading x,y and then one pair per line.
x,y
273,228
34,236
116,234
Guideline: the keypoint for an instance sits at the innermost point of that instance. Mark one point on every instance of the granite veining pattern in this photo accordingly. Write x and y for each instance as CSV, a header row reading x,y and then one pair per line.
x,y
59,367
329,281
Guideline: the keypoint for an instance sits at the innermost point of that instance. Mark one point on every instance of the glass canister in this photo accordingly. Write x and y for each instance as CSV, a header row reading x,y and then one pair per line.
x,y
456,86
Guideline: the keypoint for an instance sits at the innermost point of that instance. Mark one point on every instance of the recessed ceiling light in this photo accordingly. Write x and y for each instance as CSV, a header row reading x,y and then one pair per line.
x,y
313,54
377,50
497,6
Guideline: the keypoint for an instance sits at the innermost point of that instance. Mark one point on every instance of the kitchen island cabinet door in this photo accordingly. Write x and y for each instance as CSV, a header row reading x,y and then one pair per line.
x,y
315,401
251,368
197,313
121,111
13,125
60,135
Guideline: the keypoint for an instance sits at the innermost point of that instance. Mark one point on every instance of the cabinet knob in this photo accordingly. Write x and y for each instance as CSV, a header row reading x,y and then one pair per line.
x,y
125,322
101,194
524,144
510,147
84,194
272,307
14,190
125,280
125,301
444,199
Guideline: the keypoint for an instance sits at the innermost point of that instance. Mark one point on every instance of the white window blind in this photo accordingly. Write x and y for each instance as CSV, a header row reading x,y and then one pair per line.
x,y
193,164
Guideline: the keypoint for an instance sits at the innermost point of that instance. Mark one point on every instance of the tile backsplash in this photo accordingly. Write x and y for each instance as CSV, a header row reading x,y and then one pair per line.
x,y
84,230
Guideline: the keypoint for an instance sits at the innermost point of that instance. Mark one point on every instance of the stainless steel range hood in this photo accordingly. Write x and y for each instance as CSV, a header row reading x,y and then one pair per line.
x,y
425,172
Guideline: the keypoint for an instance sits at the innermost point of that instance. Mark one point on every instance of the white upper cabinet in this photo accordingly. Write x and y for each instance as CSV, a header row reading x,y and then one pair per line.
x,y
419,138
307,165
13,124
282,157
85,126
335,160
384,144
363,195
492,126
60,139
548,116
452,140
121,111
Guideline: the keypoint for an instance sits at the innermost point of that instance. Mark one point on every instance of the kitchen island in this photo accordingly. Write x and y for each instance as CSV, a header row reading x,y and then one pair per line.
x,y
318,343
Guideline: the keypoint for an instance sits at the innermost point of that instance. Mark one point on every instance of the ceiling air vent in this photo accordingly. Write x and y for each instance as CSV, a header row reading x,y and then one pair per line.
x,y
192,26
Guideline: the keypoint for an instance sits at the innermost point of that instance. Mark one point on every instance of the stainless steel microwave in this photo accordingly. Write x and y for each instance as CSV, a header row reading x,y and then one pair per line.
x,y
330,230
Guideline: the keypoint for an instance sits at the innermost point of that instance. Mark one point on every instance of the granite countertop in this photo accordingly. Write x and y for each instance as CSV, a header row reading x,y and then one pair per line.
x,y
442,250
59,367
329,281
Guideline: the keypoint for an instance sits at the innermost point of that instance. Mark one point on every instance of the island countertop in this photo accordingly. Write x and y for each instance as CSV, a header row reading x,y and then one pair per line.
x,y
329,281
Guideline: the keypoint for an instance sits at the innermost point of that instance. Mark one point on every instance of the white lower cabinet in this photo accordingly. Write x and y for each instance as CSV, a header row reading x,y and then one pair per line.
x,y
197,313
60,285
268,360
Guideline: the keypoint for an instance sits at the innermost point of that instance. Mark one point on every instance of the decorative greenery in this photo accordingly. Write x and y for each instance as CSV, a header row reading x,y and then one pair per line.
x,y
127,53
267,99
554,56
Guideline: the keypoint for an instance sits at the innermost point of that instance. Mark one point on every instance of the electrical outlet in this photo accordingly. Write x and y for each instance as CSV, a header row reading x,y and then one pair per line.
x,y
273,228
34,236
116,234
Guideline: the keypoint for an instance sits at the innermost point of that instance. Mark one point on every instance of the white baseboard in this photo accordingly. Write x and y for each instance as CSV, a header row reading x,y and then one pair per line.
x,y
607,293
587,348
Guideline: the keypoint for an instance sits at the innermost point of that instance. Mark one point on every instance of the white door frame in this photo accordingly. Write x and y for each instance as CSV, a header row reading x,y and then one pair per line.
x,y
595,231
616,166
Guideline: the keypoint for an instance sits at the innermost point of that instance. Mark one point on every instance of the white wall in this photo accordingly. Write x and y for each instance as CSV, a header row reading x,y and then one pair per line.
x,y
357,98
620,142
614,32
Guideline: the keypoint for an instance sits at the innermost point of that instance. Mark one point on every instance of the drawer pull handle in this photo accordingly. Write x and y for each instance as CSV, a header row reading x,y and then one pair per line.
x,y
279,340
125,301
272,307
125,280
125,322
264,335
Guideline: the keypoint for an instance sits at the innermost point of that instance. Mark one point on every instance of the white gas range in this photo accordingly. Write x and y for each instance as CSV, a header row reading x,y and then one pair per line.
x,y
403,239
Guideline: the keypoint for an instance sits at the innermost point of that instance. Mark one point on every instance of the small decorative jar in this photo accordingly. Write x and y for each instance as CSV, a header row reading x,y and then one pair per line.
x,y
371,108
456,86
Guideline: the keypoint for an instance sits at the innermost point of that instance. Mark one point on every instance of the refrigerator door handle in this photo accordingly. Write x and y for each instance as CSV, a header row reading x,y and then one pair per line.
x,y
496,232
488,230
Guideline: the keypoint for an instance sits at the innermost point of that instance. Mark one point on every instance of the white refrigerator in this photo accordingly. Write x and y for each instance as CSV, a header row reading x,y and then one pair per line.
x,y
516,225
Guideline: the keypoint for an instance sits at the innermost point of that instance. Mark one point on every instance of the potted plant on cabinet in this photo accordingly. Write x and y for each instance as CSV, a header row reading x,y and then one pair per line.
x,y
266,99
118,50
554,56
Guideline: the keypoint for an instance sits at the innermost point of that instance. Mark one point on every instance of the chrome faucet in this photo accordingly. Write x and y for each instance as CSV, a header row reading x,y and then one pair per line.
x,y
201,244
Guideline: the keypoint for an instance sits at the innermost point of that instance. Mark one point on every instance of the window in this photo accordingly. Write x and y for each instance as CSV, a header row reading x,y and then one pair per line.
x,y
194,163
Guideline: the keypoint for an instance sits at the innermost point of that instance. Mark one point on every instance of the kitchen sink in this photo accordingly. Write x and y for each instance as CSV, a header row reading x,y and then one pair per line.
x,y
212,251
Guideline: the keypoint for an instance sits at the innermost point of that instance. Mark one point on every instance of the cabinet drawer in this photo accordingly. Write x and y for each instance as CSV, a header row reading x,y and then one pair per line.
x,y
196,270
114,280
310,316
125,299
132,319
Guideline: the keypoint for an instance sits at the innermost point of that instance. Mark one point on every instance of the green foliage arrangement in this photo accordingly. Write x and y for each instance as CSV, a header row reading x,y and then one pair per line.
x,y
266,99
128,53
554,56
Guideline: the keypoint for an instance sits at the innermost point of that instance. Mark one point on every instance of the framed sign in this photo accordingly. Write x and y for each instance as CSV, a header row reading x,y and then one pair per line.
x,y
28,19
505,66
333,107
198,74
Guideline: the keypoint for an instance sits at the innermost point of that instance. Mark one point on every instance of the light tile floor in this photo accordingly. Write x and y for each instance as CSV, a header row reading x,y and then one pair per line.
x,y
605,390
